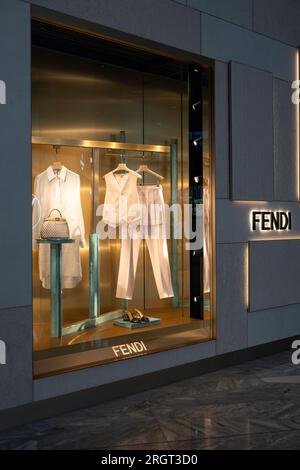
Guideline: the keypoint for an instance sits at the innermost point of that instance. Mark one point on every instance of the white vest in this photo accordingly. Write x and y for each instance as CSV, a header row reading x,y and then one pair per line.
x,y
121,203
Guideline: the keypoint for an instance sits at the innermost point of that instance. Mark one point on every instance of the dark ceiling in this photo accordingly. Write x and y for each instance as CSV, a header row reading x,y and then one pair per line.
x,y
103,51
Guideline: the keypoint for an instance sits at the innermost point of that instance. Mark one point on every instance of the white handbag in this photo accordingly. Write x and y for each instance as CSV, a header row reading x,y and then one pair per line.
x,y
55,227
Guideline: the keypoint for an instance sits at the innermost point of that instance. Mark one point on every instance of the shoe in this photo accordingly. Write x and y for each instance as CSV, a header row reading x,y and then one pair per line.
x,y
141,316
127,316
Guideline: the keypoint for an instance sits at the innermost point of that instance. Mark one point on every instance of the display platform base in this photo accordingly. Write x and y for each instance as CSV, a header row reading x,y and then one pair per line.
x,y
91,322
143,324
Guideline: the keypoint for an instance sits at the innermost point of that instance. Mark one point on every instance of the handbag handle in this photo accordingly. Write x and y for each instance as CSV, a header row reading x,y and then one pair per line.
x,y
55,210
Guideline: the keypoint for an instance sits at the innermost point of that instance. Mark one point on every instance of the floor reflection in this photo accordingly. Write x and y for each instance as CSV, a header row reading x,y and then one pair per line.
x,y
234,408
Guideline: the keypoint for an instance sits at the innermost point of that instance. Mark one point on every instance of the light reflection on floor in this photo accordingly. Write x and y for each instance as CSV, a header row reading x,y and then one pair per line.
x,y
234,408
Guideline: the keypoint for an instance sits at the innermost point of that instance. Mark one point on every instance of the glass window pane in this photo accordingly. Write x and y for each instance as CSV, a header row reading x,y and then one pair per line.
x,y
90,115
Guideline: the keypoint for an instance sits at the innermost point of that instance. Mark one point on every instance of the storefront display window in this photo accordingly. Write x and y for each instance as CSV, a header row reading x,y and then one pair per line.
x,y
121,174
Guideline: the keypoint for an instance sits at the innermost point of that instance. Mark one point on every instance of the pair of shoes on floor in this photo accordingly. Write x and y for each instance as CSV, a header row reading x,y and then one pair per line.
x,y
136,316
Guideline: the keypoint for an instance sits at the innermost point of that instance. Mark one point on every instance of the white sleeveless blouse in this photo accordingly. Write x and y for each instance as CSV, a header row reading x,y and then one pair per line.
x,y
121,203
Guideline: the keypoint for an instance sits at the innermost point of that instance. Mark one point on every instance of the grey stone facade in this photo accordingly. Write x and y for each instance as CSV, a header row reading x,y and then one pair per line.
x,y
254,44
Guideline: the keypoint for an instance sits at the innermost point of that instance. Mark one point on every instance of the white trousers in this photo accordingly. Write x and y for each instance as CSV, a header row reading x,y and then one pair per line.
x,y
153,231
158,251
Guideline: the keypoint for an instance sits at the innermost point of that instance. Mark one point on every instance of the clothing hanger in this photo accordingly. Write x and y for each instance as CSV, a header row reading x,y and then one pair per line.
x,y
122,168
56,166
145,169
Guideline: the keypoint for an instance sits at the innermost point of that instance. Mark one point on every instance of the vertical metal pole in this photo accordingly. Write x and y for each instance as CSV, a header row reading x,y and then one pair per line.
x,y
123,140
94,276
174,240
95,186
56,303
124,302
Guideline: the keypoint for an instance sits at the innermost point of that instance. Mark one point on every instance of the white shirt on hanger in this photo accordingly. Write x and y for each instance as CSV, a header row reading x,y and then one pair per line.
x,y
60,190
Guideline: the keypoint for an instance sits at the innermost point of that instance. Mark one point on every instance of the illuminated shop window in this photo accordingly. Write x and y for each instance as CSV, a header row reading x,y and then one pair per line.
x,y
115,126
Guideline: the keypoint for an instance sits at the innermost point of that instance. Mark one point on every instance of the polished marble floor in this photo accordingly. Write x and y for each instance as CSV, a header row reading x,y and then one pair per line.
x,y
255,405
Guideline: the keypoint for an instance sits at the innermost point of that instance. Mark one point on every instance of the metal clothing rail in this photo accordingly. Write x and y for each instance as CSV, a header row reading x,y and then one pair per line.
x,y
101,144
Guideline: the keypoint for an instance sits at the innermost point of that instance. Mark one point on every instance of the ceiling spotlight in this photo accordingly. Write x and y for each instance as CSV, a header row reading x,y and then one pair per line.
x,y
196,69
194,106
196,179
195,141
